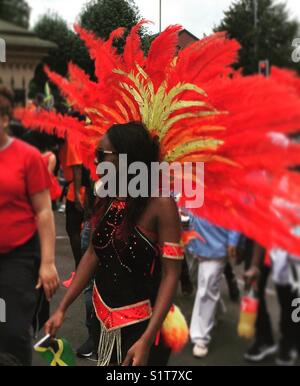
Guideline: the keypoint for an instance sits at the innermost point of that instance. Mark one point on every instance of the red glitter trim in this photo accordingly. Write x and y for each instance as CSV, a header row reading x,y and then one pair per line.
x,y
172,250
120,317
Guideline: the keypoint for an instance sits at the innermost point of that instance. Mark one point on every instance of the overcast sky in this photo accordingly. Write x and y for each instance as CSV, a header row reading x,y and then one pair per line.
x,y
197,16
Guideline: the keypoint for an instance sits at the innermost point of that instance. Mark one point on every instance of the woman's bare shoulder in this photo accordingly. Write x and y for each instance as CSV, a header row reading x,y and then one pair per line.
x,y
163,206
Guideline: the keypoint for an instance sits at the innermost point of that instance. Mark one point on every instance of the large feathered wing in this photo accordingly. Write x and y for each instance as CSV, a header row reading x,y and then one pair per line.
x,y
202,112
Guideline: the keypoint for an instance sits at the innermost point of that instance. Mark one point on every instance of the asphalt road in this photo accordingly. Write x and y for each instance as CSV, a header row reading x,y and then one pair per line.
x,y
226,348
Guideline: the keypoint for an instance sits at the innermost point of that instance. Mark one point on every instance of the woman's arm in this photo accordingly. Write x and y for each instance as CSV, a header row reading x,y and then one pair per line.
x,y
84,273
171,271
169,229
48,277
251,276
77,178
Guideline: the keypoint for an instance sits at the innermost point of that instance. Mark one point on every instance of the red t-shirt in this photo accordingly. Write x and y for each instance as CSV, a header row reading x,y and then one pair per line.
x,y
22,174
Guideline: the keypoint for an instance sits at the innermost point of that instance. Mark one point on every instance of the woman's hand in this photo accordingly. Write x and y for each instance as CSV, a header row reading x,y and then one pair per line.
x,y
48,279
138,354
231,252
54,323
78,204
251,277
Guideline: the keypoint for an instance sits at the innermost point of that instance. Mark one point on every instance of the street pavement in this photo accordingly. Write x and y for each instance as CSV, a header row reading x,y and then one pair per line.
x,y
226,348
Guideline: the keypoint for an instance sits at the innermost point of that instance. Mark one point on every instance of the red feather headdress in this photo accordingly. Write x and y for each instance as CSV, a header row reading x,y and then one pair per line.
x,y
201,111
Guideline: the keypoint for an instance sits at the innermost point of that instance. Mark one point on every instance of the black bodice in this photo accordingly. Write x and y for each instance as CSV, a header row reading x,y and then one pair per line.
x,y
129,271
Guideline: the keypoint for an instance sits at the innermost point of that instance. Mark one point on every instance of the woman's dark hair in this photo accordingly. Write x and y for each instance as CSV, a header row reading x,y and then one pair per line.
x,y
134,140
42,141
6,102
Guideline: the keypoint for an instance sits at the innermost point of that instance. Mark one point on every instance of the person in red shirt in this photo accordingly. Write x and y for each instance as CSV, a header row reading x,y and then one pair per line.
x,y
27,237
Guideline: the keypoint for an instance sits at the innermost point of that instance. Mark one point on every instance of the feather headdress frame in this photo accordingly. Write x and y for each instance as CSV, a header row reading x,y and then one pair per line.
x,y
202,111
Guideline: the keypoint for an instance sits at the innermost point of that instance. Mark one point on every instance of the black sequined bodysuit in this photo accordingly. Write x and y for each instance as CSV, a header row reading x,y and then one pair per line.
x,y
128,271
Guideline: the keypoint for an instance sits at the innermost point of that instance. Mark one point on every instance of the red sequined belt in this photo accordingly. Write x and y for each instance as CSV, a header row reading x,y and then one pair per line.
x,y
113,318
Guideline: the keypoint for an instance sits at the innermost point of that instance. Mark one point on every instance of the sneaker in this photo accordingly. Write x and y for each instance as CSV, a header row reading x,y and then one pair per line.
x,y
200,350
86,351
286,356
62,208
258,352
67,283
234,291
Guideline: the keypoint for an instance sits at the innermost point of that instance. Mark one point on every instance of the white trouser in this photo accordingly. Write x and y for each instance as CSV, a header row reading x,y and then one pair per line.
x,y
192,263
207,297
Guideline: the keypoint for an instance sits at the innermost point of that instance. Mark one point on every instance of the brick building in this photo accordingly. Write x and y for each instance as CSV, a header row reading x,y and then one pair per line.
x,y
186,38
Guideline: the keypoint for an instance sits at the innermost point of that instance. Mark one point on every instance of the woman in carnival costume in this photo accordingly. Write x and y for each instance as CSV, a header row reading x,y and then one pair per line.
x,y
198,110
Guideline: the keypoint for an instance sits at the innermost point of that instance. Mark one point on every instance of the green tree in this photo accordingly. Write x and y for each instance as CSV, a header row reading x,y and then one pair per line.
x,y
98,16
271,38
69,48
15,11
103,16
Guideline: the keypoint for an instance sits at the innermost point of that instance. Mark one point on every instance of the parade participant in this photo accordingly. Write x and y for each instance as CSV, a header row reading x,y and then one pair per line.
x,y
136,258
205,113
257,274
25,219
278,263
202,113
233,288
211,253
192,264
